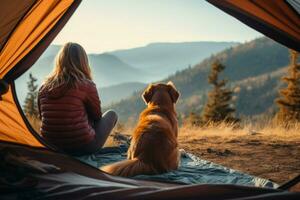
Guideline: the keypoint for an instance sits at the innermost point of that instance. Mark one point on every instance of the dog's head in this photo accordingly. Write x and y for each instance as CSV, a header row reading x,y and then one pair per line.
x,y
161,89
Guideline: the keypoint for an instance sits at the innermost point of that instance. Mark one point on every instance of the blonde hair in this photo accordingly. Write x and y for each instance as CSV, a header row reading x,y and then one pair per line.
x,y
71,66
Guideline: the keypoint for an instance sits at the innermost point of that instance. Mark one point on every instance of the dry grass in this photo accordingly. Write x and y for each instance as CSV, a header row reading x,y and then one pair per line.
x,y
35,123
269,131
267,151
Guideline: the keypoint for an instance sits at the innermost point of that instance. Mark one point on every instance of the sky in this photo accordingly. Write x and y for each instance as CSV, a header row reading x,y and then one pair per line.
x,y
106,25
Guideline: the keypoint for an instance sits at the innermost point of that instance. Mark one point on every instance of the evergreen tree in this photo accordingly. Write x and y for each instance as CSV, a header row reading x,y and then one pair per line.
x,y
289,102
219,103
30,107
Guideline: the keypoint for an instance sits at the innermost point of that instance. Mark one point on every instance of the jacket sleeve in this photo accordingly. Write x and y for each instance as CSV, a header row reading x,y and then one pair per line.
x,y
92,102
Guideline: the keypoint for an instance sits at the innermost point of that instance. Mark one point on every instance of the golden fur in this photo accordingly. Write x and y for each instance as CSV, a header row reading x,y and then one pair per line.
x,y
153,147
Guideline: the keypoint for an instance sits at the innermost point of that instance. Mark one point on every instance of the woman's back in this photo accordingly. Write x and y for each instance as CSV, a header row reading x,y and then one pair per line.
x,y
68,115
69,105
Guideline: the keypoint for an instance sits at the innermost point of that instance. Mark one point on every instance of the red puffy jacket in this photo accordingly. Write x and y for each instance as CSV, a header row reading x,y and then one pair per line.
x,y
68,114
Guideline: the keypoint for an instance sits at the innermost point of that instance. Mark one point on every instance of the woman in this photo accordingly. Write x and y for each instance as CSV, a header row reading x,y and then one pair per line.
x,y
69,105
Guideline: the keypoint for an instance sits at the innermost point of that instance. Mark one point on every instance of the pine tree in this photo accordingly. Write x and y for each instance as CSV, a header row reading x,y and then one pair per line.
x,y
289,102
30,107
219,104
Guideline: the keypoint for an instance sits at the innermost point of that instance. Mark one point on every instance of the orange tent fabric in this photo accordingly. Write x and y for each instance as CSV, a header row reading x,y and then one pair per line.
x,y
11,13
13,128
277,19
34,26
25,33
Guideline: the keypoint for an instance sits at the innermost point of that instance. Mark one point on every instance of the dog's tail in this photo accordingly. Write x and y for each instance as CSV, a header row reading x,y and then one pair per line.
x,y
128,168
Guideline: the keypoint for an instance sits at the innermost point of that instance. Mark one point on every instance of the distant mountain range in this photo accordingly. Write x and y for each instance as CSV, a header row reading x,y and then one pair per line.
x,y
253,69
109,70
129,66
160,59
115,93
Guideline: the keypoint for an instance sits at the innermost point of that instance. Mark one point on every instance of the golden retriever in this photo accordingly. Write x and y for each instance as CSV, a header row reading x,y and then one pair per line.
x,y
153,147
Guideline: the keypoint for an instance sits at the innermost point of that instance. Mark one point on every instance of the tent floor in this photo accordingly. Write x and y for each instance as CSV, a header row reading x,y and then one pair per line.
x,y
36,173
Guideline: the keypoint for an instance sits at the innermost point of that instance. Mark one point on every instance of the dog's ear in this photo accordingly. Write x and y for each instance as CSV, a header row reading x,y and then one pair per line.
x,y
173,91
148,93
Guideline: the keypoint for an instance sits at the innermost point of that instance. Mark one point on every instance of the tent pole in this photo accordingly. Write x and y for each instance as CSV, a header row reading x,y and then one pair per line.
x,y
290,183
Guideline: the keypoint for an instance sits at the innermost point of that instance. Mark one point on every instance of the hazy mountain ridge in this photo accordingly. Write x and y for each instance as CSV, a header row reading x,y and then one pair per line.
x,y
252,60
161,58
110,70
115,93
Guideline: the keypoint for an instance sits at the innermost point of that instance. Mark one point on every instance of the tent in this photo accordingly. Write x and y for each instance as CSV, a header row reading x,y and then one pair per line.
x,y
27,27
278,20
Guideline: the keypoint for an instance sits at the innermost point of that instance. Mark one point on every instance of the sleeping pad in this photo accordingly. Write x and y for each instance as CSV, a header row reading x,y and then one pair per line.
x,y
192,170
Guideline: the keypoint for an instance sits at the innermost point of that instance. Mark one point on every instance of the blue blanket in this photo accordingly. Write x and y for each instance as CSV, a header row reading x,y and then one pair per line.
x,y
192,170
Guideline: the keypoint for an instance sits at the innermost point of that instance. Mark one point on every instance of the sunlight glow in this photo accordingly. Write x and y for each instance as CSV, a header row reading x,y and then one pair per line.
x,y
101,25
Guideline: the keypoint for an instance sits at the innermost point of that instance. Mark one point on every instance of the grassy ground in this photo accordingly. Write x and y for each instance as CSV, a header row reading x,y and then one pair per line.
x,y
270,151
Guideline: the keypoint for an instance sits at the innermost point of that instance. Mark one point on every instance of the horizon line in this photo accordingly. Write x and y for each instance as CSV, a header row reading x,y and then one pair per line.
x,y
167,42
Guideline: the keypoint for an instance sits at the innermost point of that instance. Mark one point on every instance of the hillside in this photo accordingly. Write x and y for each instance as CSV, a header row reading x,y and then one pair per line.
x,y
247,63
109,70
257,94
115,93
162,58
